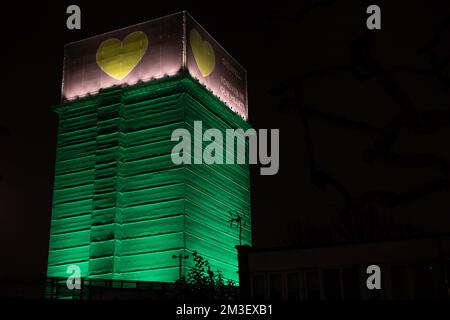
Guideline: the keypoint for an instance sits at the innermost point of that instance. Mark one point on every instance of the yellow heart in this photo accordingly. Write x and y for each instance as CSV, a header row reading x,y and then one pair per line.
x,y
203,53
117,59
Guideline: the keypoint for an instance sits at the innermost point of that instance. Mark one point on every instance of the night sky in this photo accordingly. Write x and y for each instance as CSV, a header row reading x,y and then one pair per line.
x,y
364,116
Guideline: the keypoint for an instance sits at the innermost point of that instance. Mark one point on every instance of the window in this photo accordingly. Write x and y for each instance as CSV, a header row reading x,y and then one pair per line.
x,y
399,280
293,288
258,287
312,285
350,282
426,277
276,289
332,284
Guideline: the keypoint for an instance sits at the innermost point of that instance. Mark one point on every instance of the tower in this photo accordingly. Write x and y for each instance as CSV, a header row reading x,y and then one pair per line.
x,y
122,209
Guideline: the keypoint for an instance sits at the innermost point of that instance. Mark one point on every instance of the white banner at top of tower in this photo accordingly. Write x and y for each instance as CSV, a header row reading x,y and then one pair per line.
x,y
152,50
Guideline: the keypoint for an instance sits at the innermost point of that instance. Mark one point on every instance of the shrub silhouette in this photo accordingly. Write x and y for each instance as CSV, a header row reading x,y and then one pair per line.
x,y
203,283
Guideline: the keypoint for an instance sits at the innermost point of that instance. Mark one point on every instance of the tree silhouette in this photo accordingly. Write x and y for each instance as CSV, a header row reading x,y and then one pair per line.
x,y
362,217
203,283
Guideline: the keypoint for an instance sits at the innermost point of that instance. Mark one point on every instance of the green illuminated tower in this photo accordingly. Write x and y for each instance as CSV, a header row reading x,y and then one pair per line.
x,y
121,208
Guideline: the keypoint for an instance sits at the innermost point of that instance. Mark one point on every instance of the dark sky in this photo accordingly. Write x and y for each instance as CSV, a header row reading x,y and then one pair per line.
x,y
375,158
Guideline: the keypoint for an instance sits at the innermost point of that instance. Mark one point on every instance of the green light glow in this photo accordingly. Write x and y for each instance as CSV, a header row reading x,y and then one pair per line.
x,y
121,208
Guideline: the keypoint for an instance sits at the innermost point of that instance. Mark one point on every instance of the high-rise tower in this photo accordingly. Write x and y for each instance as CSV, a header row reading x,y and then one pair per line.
x,y
121,208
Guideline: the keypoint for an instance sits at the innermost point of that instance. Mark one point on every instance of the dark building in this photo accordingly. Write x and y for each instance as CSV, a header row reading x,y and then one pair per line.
x,y
412,269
